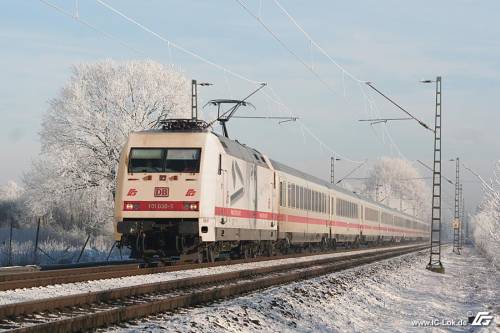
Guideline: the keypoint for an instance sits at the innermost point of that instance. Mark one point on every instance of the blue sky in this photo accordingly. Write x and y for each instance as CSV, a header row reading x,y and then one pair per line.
x,y
391,43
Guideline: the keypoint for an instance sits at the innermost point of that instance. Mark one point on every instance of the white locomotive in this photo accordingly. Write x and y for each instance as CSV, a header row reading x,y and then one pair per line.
x,y
185,191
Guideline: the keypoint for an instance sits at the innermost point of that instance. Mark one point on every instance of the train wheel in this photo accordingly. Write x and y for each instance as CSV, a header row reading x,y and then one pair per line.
x,y
140,244
286,246
201,256
324,244
268,249
310,248
247,252
210,254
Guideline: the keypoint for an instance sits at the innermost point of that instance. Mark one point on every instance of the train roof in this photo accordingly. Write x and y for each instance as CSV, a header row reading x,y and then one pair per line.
x,y
242,151
252,155
232,147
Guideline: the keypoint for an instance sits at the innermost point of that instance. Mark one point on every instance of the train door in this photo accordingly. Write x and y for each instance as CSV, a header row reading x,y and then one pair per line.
x,y
224,190
274,201
330,208
332,217
281,217
379,229
253,198
361,222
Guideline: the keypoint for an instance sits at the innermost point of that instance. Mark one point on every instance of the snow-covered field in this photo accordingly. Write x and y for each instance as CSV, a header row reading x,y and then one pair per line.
x,y
388,296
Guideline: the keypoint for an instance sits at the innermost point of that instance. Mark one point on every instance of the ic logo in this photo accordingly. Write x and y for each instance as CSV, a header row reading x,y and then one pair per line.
x,y
161,191
190,193
483,318
132,192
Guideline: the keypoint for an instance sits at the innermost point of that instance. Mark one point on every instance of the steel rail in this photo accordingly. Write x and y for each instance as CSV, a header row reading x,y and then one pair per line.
x,y
210,288
72,275
39,274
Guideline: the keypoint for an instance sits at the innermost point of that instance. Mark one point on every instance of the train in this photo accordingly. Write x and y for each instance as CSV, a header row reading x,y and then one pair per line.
x,y
184,191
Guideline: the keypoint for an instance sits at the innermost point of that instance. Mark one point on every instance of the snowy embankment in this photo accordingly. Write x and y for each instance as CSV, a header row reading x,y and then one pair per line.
x,y
487,236
486,222
388,296
28,294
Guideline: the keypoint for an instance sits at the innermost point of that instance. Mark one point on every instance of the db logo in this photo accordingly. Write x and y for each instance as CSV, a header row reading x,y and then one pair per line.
x,y
161,191
190,193
132,192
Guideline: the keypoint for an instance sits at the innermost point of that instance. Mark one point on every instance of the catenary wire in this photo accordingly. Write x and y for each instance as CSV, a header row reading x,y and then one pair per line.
x,y
77,18
170,44
310,68
285,46
346,72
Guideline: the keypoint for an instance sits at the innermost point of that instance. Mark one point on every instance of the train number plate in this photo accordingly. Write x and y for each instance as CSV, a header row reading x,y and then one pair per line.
x,y
161,191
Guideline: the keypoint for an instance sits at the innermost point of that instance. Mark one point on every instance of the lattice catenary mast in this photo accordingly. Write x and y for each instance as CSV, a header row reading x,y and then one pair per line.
x,y
435,251
456,219
462,218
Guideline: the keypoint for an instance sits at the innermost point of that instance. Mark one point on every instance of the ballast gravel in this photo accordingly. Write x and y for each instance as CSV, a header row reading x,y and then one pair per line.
x,y
46,292
393,295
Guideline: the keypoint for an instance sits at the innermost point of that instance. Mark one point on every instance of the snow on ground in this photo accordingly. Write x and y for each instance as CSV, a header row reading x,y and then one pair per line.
x,y
27,294
380,297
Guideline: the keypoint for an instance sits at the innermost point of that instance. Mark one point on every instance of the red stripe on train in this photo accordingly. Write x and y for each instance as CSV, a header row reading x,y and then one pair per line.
x,y
250,214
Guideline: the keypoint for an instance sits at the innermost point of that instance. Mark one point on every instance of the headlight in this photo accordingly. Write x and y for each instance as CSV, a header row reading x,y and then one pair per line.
x,y
193,206
131,206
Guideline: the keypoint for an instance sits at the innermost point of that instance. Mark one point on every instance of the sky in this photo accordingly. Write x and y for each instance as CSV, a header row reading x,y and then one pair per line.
x,y
393,44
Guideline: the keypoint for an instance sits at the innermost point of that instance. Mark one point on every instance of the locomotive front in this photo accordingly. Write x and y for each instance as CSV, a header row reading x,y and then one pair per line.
x,y
159,186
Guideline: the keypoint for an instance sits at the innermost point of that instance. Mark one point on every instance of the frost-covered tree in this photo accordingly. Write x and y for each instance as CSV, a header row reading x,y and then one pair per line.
x,y
11,205
395,182
88,122
94,113
11,191
486,222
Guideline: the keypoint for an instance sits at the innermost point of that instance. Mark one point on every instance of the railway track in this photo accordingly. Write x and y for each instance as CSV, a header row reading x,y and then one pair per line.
x,y
97,309
58,276
72,275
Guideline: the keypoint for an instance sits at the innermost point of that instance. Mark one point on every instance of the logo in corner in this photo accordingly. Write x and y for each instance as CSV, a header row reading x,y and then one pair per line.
x,y
483,318
132,192
190,193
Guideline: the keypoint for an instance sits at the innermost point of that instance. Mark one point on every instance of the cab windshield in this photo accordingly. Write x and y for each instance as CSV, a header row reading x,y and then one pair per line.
x,y
157,160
